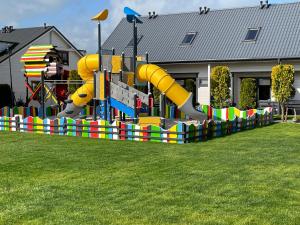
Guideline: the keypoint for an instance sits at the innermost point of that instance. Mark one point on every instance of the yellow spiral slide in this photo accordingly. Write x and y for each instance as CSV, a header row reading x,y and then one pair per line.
x,y
145,72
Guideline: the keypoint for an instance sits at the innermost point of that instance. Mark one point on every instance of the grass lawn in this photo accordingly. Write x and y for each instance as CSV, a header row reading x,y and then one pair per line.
x,y
248,178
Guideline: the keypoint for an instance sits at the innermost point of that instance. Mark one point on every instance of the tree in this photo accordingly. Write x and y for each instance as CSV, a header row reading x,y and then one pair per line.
x,y
248,94
74,76
282,86
220,83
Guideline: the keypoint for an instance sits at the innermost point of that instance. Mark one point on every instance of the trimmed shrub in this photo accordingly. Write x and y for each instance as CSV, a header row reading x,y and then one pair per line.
x,y
282,86
220,84
248,94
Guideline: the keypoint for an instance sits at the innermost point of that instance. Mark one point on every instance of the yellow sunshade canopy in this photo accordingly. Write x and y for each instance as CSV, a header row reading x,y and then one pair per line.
x,y
101,16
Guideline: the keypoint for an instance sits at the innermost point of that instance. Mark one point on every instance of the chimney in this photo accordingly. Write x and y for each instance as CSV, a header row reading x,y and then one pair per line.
x,y
267,4
202,10
206,10
10,29
262,5
150,15
45,25
7,29
154,15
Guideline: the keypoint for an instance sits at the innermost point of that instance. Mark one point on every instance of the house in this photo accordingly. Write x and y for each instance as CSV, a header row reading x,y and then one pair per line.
x,y
15,42
250,41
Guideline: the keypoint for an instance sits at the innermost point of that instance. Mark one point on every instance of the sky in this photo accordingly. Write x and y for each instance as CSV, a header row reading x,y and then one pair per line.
x,y
72,17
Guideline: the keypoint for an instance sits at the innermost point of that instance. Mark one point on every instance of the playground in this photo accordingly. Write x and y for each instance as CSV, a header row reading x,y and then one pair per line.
x,y
119,91
227,180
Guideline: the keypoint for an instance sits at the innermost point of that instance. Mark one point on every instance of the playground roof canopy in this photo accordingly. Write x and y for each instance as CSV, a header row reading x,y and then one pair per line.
x,y
221,35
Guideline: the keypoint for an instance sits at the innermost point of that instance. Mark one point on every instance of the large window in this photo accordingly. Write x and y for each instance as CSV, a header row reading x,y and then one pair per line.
x,y
64,56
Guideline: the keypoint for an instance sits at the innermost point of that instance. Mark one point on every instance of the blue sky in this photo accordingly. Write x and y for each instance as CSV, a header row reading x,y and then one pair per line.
x,y
72,17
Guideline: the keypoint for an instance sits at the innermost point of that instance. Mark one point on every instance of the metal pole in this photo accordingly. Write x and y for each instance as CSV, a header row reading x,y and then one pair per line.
x,y
100,70
95,97
43,94
10,75
105,97
148,83
149,104
121,76
99,47
135,108
134,50
27,94
123,61
108,91
162,105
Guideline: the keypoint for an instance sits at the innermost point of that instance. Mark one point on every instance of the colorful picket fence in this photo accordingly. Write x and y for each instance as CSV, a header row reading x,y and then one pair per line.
x,y
33,111
231,113
180,133
225,114
172,112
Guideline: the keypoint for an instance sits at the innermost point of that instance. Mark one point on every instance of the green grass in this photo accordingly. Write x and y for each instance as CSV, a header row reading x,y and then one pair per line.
x,y
290,117
248,178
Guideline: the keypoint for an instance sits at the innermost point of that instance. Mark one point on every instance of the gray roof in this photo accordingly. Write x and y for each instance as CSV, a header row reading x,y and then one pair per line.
x,y
220,36
22,38
25,36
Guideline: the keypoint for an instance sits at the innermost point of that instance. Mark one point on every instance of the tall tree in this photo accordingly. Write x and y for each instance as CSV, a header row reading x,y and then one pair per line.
x,y
220,84
282,86
248,94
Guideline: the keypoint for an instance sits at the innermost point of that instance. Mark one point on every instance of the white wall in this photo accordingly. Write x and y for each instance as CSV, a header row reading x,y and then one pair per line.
x,y
297,86
203,93
17,66
249,69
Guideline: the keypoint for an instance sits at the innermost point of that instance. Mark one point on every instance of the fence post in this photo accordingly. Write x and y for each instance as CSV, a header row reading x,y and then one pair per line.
x,y
17,119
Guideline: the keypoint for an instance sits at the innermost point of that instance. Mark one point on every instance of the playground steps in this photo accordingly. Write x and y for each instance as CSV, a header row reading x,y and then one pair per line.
x,y
151,120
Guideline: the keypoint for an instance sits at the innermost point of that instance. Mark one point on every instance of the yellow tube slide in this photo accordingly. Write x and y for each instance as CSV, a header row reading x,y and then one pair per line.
x,y
163,82
86,67
167,85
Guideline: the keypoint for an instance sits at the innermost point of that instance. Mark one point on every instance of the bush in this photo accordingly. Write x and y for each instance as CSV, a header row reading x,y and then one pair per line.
x,y
248,94
220,84
73,76
282,86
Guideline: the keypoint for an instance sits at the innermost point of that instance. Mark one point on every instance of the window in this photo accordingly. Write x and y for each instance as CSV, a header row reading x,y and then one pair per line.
x,y
189,38
264,89
64,56
139,38
4,46
252,34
